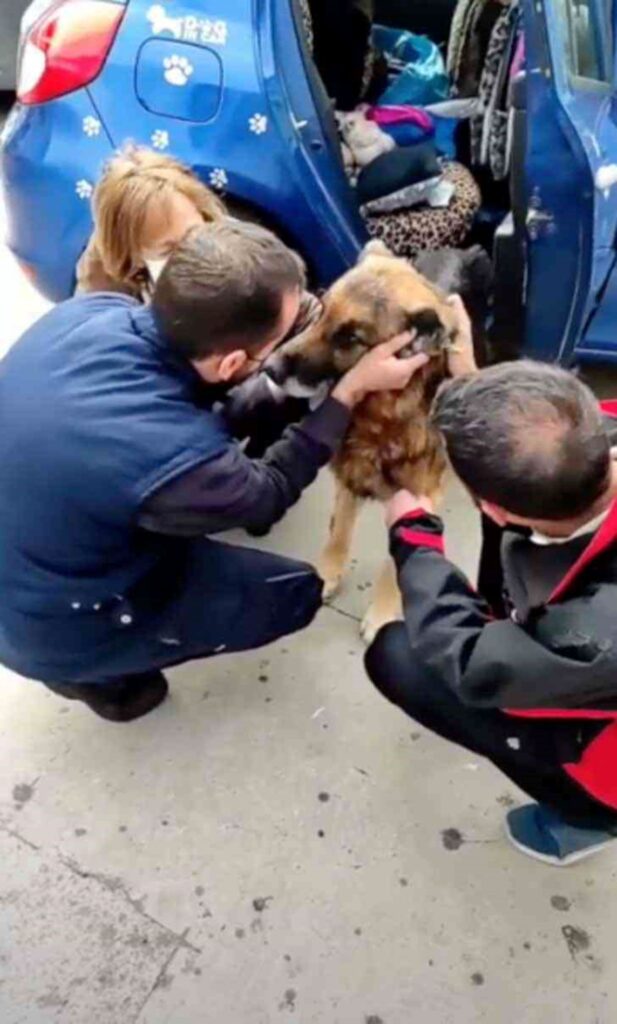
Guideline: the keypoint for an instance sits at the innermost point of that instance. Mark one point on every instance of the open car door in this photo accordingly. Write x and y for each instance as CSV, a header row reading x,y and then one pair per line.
x,y
570,175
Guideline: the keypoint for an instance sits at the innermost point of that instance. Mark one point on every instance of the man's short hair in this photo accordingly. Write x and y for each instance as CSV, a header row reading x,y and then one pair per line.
x,y
526,436
223,286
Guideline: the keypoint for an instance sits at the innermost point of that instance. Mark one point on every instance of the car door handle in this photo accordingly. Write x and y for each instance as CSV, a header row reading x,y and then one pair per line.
x,y
539,222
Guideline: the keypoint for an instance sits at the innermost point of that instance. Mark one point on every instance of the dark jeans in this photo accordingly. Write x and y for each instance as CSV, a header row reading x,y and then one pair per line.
x,y
529,751
229,599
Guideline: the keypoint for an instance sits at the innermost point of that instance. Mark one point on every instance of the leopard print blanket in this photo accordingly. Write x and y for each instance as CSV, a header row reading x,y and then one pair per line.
x,y
409,232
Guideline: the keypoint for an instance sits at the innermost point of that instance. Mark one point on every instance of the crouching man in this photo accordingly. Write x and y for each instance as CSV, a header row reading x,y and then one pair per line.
x,y
114,466
536,692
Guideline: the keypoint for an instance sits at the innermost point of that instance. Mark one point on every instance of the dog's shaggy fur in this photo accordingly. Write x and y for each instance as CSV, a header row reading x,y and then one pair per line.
x,y
391,443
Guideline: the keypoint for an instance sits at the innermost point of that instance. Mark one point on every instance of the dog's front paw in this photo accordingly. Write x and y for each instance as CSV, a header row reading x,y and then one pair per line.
x,y
373,621
331,587
369,628
331,567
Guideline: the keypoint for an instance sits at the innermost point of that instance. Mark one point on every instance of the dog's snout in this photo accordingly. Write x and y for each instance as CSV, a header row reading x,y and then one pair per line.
x,y
275,368
295,373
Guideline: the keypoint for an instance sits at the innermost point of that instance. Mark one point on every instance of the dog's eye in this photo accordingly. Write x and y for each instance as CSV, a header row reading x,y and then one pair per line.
x,y
347,336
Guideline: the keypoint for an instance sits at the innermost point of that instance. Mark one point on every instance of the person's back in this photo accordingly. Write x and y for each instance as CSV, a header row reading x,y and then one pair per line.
x,y
94,415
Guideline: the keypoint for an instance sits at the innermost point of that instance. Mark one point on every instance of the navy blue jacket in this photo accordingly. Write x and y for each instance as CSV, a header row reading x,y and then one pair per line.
x,y
97,415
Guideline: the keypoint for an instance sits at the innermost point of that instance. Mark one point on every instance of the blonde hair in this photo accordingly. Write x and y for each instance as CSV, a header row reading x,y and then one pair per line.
x,y
132,181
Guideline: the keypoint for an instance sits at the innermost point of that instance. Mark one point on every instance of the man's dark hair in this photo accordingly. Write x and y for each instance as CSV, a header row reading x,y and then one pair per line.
x,y
526,436
224,282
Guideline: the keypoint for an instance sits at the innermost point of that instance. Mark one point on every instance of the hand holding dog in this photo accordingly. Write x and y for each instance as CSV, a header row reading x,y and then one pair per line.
x,y
461,358
404,502
379,370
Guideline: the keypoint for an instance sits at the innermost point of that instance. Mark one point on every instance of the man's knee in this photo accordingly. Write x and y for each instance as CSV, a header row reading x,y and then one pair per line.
x,y
399,676
285,590
388,660
310,599
296,597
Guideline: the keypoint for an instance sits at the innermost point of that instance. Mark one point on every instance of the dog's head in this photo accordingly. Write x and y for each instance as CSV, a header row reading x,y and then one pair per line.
x,y
381,297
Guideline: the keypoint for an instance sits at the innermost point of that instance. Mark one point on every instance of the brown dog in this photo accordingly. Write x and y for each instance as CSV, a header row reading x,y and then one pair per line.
x,y
390,444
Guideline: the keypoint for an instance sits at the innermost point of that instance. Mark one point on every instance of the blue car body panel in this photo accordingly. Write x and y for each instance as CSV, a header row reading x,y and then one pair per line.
x,y
228,87
48,184
239,107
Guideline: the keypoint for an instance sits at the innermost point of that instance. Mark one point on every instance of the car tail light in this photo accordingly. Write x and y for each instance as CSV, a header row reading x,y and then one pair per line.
x,y
65,47
28,270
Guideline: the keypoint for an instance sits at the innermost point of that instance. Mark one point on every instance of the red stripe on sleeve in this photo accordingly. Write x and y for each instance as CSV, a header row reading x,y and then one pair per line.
x,y
608,716
423,540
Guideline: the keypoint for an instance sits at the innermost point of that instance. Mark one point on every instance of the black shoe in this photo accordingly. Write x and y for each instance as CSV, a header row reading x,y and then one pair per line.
x,y
258,531
123,700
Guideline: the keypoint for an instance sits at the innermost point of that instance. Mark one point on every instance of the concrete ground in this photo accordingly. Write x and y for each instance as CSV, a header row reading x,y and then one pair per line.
x,y
276,843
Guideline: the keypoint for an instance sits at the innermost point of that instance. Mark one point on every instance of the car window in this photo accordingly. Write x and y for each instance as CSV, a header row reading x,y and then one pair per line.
x,y
588,42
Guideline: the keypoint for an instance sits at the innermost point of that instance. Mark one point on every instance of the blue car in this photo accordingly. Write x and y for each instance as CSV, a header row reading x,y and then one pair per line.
x,y
229,86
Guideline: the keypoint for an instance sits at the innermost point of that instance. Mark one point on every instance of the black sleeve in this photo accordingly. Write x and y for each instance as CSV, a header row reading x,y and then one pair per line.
x,y
235,491
258,410
498,663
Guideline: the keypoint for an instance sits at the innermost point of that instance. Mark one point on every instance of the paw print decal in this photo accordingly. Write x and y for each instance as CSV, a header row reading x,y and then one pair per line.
x,y
178,70
91,126
258,124
83,188
219,179
160,139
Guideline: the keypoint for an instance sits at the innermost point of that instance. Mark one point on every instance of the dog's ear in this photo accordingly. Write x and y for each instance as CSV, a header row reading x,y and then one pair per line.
x,y
431,334
424,321
375,248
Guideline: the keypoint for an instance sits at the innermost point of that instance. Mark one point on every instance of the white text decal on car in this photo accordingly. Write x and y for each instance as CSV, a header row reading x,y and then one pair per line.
x,y
188,29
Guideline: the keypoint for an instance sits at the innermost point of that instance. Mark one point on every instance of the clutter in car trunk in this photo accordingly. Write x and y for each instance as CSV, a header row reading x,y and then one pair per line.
x,y
411,117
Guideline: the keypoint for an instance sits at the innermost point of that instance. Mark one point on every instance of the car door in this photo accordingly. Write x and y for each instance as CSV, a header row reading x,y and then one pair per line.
x,y
571,211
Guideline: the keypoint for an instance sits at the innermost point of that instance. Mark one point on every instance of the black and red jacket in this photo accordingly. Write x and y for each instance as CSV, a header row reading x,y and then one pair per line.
x,y
556,660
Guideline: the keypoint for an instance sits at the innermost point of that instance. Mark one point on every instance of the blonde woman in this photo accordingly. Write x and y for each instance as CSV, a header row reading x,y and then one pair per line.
x,y
143,206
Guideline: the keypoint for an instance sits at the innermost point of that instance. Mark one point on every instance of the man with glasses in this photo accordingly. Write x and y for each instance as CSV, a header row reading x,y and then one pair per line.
x,y
115,465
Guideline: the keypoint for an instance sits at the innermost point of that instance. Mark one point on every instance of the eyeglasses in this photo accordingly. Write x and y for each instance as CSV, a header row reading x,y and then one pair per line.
x,y
258,362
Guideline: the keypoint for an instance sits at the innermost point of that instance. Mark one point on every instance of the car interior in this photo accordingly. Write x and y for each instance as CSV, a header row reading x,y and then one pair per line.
x,y
491,209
